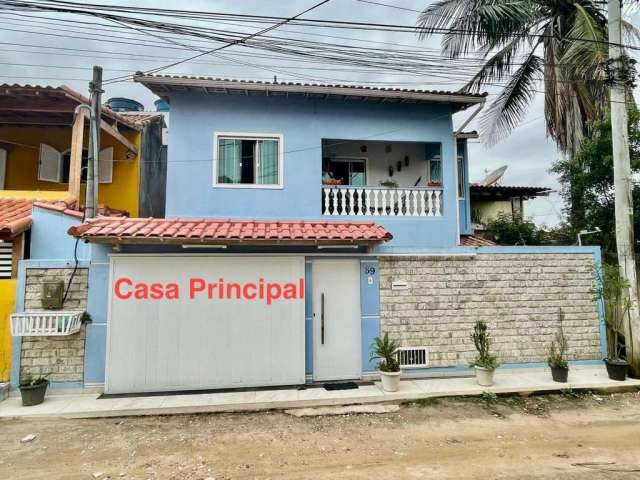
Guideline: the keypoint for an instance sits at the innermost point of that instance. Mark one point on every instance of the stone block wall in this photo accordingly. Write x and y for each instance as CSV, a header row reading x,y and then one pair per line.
x,y
518,295
61,358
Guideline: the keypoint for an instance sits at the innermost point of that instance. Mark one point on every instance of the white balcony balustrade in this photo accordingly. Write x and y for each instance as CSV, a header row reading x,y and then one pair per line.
x,y
381,201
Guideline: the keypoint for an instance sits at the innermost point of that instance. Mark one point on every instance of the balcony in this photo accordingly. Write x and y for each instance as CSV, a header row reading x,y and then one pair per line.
x,y
366,178
338,200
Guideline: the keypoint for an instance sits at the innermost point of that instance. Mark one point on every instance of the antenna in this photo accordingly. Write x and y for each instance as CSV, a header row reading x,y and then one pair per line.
x,y
493,177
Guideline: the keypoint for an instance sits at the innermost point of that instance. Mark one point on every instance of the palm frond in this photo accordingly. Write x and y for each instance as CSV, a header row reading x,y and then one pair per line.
x,y
511,105
587,48
496,68
630,33
476,23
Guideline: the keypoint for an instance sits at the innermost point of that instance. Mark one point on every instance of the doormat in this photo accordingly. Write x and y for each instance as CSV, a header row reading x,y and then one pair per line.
x,y
340,386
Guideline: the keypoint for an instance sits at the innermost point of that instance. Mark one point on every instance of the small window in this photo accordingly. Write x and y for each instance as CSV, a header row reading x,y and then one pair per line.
x,y
249,161
461,169
433,155
105,165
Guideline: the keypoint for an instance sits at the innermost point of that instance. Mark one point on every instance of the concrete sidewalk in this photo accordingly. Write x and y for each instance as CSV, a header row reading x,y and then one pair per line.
x,y
522,380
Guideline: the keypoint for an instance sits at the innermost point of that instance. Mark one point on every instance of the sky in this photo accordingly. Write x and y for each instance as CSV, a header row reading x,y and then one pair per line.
x,y
32,50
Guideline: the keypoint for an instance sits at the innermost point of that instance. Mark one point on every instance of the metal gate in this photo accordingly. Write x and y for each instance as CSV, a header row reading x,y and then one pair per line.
x,y
170,329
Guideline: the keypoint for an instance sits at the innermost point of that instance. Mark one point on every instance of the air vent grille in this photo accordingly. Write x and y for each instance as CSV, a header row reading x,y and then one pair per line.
x,y
413,357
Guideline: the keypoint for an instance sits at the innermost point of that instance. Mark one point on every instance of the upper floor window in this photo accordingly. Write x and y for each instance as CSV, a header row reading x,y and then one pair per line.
x,y
54,166
248,160
461,148
433,155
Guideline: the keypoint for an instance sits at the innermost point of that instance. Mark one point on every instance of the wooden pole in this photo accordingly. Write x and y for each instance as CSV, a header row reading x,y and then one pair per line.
x,y
623,188
75,165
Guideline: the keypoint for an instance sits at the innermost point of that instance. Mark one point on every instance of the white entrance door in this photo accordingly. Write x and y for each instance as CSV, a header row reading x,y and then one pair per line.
x,y
200,341
336,320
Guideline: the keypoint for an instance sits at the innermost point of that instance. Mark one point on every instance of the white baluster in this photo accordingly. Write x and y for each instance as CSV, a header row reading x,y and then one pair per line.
x,y
352,201
360,192
421,203
400,202
325,200
429,203
438,209
414,203
343,202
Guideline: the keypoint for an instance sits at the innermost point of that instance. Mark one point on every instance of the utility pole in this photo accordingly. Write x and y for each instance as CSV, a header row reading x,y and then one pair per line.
x,y
95,90
622,184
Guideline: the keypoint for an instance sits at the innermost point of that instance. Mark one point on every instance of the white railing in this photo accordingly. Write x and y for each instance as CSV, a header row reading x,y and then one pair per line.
x,y
46,323
381,201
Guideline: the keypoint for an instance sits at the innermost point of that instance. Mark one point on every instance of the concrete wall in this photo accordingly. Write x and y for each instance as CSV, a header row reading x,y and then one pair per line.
x,y
303,123
49,237
153,172
518,294
378,160
60,358
7,303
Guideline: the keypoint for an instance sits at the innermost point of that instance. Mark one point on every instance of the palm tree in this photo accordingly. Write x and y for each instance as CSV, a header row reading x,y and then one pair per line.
x,y
560,44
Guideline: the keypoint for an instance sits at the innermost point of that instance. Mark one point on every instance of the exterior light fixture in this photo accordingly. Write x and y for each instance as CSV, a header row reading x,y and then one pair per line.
x,y
586,232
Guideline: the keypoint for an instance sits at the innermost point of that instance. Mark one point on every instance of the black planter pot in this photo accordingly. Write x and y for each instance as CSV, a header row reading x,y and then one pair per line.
x,y
33,394
560,374
617,369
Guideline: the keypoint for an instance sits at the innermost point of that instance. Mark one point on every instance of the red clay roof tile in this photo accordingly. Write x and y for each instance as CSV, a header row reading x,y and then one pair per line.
x,y
218,230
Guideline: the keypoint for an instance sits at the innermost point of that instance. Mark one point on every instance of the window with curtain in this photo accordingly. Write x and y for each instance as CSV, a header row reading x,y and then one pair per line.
x,y
248,161
433,156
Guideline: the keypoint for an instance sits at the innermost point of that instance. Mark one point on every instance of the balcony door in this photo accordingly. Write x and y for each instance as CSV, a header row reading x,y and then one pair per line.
x,y
349,170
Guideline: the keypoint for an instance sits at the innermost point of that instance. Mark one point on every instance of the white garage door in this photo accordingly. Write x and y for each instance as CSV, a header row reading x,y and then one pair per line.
x,y
226,322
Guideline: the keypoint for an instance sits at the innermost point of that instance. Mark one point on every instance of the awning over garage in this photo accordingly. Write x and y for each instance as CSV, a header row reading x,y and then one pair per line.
x,y
225,231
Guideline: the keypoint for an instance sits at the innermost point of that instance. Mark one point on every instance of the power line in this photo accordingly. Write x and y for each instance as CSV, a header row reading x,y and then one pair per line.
x,y
95,10
235,42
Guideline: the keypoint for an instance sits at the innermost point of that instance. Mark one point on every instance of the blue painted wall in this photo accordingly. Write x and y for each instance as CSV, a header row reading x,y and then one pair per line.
x,y
303,124
49,238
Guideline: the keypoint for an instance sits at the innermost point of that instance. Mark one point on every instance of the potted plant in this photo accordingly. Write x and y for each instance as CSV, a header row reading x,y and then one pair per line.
x,y
485,364
32,390
389,183
616,308
385,349
557,359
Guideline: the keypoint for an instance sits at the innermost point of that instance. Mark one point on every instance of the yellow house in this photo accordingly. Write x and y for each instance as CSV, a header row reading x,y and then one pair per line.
x,y
43,157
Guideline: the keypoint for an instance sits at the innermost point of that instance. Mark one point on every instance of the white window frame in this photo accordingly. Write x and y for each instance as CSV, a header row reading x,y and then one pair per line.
x,y
249,136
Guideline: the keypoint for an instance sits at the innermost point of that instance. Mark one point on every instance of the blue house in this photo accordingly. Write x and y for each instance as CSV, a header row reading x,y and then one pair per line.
x,y
301,222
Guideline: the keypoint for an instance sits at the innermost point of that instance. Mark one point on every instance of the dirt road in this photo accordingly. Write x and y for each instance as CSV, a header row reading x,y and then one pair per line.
x,y
541,437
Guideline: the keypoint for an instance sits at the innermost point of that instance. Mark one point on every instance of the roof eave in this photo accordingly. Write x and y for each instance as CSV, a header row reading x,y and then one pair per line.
x,y
161,86
114,240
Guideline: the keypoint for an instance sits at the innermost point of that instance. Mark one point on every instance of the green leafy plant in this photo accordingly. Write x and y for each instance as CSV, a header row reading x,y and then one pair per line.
x,y
482,341
558,350
389,183
385,350
30,381
509,230
611,288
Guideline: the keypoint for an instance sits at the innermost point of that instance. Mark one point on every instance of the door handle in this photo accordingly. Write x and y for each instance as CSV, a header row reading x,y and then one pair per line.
x,y
322,318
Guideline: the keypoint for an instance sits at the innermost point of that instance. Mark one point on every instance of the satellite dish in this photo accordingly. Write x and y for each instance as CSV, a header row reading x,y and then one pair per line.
x,y
493,177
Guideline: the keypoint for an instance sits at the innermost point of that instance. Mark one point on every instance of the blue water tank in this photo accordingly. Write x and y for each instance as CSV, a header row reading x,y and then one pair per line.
x,y
161,105
120,104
